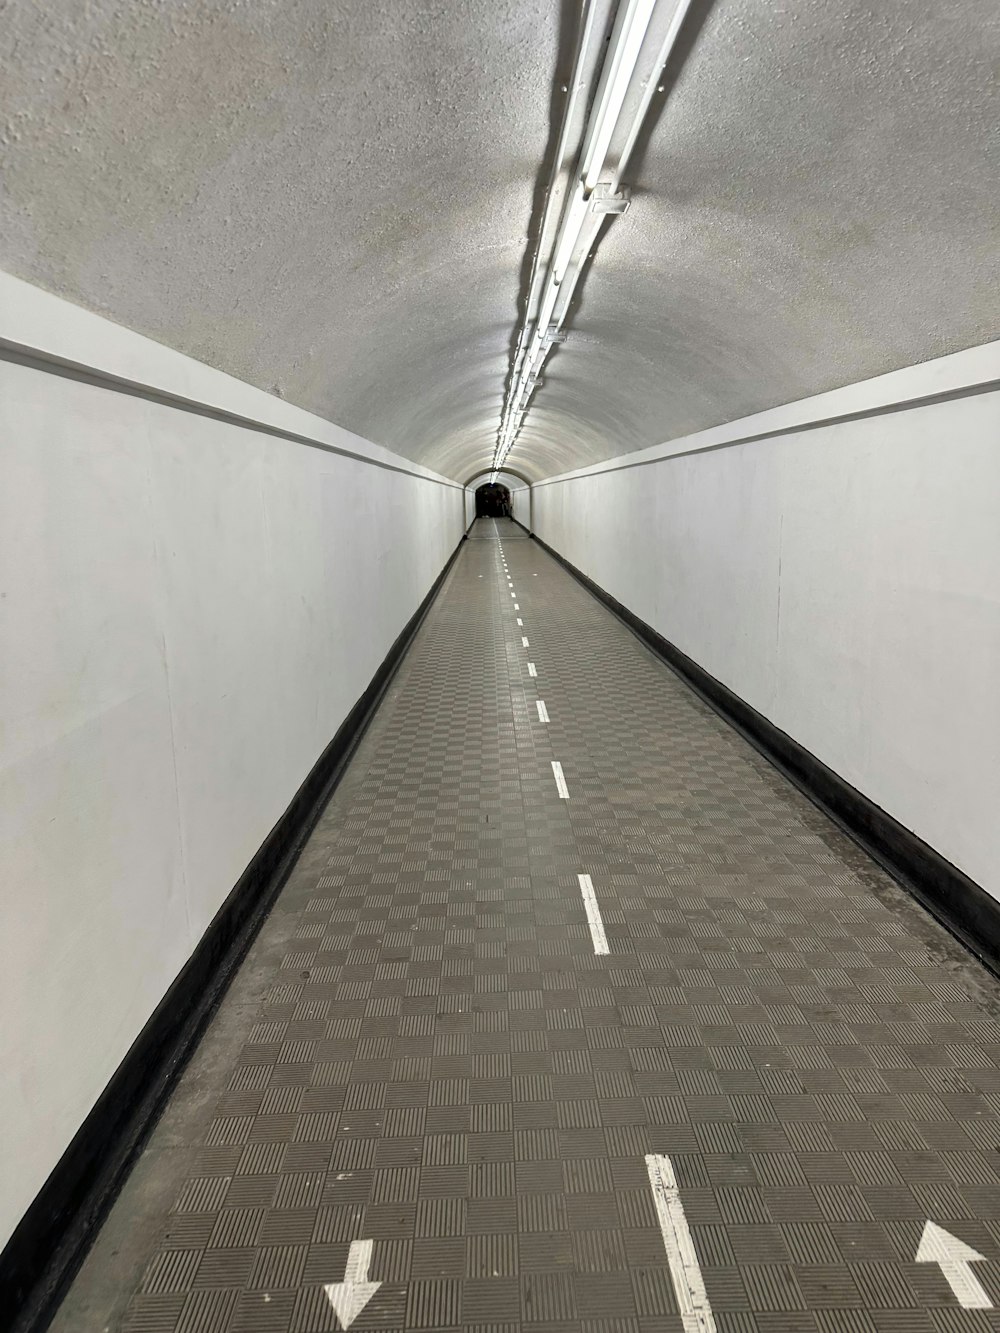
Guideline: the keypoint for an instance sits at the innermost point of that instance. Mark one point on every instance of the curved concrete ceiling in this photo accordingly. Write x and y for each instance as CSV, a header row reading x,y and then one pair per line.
x,y
512,480
333,201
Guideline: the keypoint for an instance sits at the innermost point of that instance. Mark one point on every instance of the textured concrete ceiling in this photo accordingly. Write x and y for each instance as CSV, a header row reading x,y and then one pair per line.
x,y
333,200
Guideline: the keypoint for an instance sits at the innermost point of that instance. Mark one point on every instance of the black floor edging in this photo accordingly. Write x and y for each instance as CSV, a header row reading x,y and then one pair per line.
x,y
957,901
52,1239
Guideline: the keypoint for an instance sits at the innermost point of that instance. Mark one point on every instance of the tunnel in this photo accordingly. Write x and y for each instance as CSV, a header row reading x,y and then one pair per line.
x,y
499,642
493,500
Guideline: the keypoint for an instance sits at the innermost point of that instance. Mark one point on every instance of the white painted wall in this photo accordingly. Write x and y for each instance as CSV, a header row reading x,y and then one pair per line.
x,y
844,580
520,500
188,611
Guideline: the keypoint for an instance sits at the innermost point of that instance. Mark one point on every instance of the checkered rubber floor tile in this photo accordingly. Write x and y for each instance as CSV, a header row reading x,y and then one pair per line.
x,y
443,1088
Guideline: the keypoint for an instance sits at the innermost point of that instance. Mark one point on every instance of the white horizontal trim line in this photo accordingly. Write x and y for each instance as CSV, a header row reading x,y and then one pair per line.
x,y
58,338
958,375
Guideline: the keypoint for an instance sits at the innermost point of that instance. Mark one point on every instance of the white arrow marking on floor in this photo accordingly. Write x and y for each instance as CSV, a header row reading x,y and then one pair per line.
x,y
350,1297
531,669
593,915
543,712
689,1285
524,642
561,787
938,1246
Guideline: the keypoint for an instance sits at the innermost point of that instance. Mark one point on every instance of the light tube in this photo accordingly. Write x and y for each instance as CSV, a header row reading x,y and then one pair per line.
x,y
624,55
679,15
573,222
537,336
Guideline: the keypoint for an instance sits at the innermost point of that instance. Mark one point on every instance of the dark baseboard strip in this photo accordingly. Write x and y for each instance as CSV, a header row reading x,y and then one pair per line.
x,y
958,902
53,1237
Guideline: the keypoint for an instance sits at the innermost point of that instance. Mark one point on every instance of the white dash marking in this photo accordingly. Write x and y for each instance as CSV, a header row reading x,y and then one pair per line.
x,y
513,594
520,622
516,607
593,915
524,642
543,712
561,787
689,1285
938,1246
531,669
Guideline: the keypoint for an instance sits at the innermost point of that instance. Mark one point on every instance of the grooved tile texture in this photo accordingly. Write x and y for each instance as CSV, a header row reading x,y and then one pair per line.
x,y
439,1061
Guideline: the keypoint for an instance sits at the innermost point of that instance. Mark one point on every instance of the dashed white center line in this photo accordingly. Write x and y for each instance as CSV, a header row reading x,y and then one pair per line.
x,y
520,621
524,642
531,669
516,607
543,712
593,915
689,1285
561,787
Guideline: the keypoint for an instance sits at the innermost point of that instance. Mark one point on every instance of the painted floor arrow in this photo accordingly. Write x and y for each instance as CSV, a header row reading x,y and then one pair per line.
x,y
938,1246
350,1297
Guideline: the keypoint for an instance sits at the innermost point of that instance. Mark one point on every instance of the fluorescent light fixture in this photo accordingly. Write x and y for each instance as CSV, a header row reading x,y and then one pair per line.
x,y
619,67
583,207
650,89
575,217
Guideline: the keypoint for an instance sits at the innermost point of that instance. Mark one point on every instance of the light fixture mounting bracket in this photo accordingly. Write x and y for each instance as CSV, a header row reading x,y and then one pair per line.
x,y
603,199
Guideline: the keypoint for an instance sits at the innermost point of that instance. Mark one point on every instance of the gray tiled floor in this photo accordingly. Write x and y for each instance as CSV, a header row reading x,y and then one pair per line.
x,y
424,1050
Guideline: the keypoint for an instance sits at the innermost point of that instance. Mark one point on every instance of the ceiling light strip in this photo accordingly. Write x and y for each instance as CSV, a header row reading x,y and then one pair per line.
x,y
584,209
577,86
651,88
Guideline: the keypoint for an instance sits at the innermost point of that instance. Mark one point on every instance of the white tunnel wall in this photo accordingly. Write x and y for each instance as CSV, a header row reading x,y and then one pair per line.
x,y
189,610
520,503
844,580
